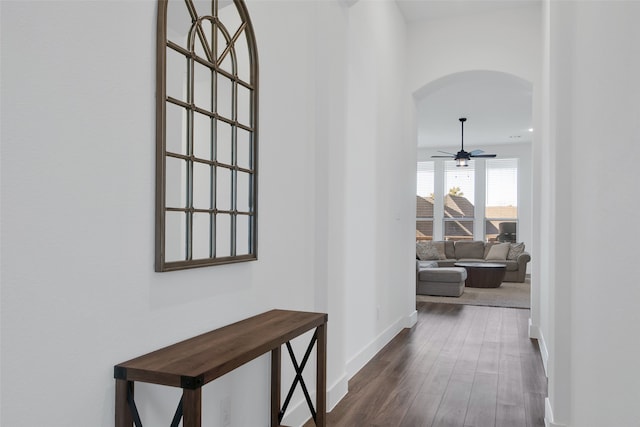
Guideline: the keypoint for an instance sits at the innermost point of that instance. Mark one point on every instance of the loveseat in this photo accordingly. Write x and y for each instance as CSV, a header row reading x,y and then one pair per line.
x,y
446,253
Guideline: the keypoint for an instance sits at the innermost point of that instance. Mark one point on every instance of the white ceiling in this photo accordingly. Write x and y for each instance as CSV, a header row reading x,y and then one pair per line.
x,y
497,105
421,10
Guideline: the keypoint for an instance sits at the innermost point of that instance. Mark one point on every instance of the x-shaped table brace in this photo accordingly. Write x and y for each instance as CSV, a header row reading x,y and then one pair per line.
x,y
299,378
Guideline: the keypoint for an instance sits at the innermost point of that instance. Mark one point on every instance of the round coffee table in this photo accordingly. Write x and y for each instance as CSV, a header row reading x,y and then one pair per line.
x,y
483,274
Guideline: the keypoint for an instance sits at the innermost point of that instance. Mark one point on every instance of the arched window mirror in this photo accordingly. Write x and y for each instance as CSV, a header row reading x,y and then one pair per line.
x,y
207,134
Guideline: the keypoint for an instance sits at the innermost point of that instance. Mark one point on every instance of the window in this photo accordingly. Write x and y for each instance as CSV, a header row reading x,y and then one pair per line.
x,y
207,134
459,209
461,219
501,206
424,201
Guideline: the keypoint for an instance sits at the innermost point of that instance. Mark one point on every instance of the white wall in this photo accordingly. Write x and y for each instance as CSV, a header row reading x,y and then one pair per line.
x,y
593,141
379,211
78,289
502,40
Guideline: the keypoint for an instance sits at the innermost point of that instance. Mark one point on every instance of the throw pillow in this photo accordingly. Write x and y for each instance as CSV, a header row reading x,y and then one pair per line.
x,y
515,251
440,248
426,251
487,247
430,250
499,252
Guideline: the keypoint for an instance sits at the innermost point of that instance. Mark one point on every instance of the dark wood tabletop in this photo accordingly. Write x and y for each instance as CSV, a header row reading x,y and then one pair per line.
x,y
206,357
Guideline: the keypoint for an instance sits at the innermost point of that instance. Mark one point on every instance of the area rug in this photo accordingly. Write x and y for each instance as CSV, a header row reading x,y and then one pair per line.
x,y
509,294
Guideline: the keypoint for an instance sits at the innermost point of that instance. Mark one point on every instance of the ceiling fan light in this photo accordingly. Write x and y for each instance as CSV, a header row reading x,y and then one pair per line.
x,y
462,162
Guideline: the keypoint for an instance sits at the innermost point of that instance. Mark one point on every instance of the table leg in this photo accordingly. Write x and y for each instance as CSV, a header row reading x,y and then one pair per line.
x,y
192,407
276,378
123,414
321,376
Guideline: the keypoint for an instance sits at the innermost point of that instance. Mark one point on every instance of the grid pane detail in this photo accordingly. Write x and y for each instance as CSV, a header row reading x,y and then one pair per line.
x,y
207,179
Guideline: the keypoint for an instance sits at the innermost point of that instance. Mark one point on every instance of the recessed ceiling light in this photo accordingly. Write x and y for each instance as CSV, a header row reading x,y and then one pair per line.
x,y
530,129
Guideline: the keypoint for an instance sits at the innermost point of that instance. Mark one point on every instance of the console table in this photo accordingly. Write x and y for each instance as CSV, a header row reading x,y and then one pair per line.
x,y
192,363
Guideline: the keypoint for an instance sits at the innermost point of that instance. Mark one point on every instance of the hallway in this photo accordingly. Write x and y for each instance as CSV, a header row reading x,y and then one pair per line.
x,y
460,365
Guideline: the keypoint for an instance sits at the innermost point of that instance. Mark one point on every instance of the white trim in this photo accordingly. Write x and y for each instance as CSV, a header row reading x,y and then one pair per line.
x,y
536,333
412,319
299,414
369,351
548,415
337,392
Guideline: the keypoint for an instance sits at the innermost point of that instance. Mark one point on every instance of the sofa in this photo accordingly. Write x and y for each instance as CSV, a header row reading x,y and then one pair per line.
x,y
439,281
447,252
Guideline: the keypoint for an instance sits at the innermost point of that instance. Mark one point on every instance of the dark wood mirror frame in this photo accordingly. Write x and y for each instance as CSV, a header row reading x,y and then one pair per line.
x,y
206,200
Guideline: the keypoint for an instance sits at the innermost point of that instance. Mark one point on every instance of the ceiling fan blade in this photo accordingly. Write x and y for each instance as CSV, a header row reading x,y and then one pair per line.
x,y
444,157
446,152
476,152
484,155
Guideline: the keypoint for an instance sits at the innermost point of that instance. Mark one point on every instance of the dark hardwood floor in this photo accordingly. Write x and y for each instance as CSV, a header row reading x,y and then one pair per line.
x,y
459,366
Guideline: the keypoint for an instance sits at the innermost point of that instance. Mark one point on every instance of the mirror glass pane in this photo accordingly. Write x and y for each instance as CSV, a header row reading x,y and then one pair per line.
x,y
176,184
202,86
202,41
244,149
224,104
175,236
242,235
229,16
222,41
178,23
203,7
243,191
242,58
227,63
176,129
202,136
176,75
201,235
223,189
223,235
244,105
201,186
223,143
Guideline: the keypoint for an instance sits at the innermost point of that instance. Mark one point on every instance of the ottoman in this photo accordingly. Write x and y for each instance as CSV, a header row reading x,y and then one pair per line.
x,y
441,281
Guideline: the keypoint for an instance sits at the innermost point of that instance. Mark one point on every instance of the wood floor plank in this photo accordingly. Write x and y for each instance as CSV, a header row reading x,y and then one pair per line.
x,y
453,407
481,410
510,404
459,366
489,357
534,408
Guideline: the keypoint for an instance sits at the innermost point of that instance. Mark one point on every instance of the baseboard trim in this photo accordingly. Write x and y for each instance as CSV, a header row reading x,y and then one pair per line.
x,y
412,319
548,415
337,392
536,333
369,351
299,414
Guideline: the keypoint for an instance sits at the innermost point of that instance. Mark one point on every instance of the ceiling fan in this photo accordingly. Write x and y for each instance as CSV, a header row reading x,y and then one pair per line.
x,y
462,157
